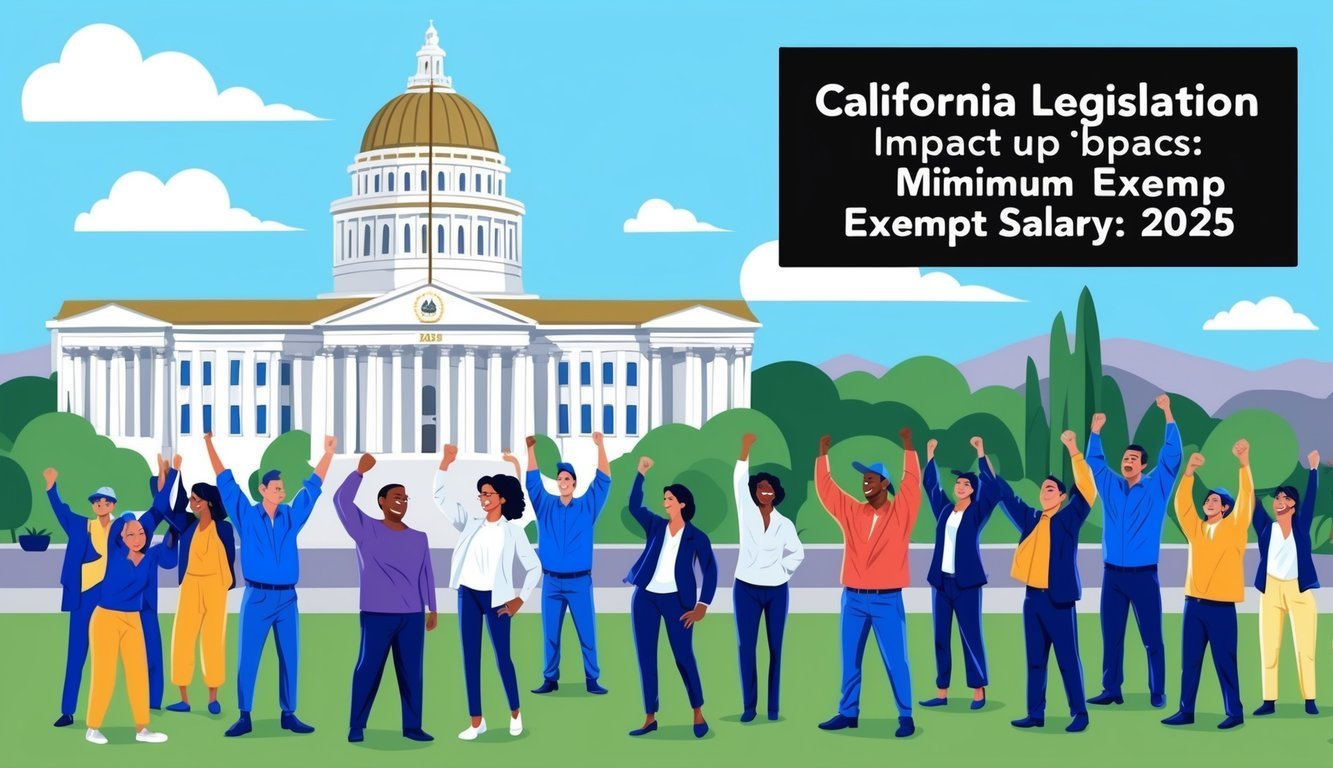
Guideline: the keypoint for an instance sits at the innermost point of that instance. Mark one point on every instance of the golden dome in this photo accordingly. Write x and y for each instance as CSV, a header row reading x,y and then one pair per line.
x,y
404,121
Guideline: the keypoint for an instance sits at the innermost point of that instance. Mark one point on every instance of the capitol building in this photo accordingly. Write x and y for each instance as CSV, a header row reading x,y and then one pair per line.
x,y
428,336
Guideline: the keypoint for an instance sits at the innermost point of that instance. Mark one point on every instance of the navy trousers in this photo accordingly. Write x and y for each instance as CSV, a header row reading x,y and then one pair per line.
x,y
76,651
559,594
405,635
750,603
152,642
1209,623
1122,589
947,602
1047,623
473,606
647,612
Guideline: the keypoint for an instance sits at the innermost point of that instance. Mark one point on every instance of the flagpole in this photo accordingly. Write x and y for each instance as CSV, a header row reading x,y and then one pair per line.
x,y
430,180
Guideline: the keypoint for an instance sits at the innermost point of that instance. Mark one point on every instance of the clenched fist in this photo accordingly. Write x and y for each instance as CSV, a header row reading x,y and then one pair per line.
x,y
1069,439
330,443
1195,461
1313,458
645,464
366,463
50,474
597,438
1098,421
1164,401
531,440
825,443
930,448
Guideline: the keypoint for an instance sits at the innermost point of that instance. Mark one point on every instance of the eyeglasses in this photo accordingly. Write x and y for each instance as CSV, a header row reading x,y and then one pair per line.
x,y
485,494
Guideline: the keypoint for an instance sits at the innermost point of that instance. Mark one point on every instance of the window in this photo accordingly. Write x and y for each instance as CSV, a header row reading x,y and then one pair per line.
x,y
608,373
261,419
208,418
407,181
285,374
428,399
495,242
208,373
563,374
460,240
407,238
439,238
585,418
384,238
462,182
490,183
377,183
425,247
424,180
502,187
609,419
236,373
476,182
185,418
564,419
286,419
631,419
185,373
631,374
261,374
585,373
481,240
439,181
236,420
390,182
366,250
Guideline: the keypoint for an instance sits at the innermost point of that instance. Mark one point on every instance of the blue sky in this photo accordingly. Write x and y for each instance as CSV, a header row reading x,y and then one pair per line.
x,y
599,107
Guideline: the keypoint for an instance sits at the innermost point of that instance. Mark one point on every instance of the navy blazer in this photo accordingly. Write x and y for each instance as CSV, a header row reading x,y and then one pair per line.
x,y
1306,576
967,569
694,544
184,523
1062,582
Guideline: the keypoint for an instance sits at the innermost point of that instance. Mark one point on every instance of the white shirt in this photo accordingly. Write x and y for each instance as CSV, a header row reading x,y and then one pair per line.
x,y
483,557
513,546
950,540
760,560
664,578
1281,554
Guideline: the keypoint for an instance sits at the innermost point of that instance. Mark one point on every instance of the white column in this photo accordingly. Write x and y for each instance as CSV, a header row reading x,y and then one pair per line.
x,y
529,395
467,404
552,425
493,394
66,382
79,382
248,393
444,399
160,398
329,400
116,410
747,370
621,388
298,398
654,390
350,393
134,410
597,388
414,397
396,399
575,360
719,398
374,401
317,426
520,398
274,394
694,388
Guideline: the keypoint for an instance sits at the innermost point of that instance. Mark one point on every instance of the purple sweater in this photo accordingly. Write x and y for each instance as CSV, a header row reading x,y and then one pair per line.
x,y
396,575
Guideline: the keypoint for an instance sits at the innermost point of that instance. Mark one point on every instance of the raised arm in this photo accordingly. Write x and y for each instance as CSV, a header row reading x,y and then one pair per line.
x,y
453,513
218,466
939,503
1311,491
1186,513
533,479
636,508
603,463
304,502
1168,461
1245,493
1014,508
1103,475
64,515
836,501
908,500
740,483
344,499
1083,479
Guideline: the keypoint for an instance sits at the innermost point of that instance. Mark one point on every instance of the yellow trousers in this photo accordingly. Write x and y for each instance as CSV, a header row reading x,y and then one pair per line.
x,y
1283,598
202,612
111,634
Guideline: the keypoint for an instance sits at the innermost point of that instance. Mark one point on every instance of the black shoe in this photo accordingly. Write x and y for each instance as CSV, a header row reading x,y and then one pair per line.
x,y
1106,697
1267,708
1029,722
838,722
416,734
291,723
355,735
1231,722
905,728
1078,724
1158,700
1310,708
649,728
63,721
547,686
700,729
595,688
748,715
241,726
1180,718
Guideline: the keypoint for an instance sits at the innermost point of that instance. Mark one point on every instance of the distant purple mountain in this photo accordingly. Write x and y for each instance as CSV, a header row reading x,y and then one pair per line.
x,y
1312,417
29,362
844,364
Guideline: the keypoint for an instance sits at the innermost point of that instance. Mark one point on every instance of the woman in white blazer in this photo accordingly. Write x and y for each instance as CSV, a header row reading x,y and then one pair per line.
x,y
482,572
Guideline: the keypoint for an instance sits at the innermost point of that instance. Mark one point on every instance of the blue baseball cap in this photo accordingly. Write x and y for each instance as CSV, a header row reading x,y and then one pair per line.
x,y
105,492
564,466
1227,499
877,468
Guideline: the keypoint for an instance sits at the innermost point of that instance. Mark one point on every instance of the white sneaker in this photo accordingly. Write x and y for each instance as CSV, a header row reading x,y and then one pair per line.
x,y
95,736
516,725
150,737
473,732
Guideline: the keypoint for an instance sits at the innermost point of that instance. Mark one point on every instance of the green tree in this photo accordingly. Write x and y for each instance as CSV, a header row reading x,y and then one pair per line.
x,y
1061,358
15,497
859,385
1007,405
956,452
1192,420
289,454
933,387
1037,453
1272,444
23,399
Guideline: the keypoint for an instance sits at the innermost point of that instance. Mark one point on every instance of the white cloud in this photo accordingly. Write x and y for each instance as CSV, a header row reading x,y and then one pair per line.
x,y
763,280
1270,314
102,77
657,215
193,200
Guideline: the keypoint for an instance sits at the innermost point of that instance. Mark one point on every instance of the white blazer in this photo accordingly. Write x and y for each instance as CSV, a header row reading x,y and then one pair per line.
x,y
516,544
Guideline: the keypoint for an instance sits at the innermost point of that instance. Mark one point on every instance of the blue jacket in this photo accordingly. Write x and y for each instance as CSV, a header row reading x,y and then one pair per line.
x,y
1306,576
1063,583
967,569
166,551
694,544
1132,515
184,524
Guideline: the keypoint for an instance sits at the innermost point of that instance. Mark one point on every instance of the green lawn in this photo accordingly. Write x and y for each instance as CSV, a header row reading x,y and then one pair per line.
x,y
586,730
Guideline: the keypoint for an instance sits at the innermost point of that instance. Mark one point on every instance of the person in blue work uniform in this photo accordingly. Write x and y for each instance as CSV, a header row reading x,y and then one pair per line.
x,y
565,526
270,564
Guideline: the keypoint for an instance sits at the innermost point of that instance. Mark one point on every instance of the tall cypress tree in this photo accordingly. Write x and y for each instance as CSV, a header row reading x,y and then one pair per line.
x,y
1089,342
1036,454
1061,358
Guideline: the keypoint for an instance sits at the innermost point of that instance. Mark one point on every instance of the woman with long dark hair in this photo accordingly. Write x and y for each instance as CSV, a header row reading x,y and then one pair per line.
x,y
482,572
664,590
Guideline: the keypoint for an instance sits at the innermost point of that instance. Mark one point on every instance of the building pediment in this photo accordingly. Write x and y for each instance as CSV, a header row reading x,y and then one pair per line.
x,y
701,317
426,307
104,316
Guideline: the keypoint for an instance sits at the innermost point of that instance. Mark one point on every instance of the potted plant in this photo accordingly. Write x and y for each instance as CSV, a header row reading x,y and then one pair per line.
x,y
34,540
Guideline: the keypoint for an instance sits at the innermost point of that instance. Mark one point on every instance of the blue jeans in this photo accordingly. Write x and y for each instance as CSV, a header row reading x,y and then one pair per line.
x,y
405,635
473,605
647,612
576,595
884,614
1047,623
948,601
1209,623
76,652
264,611
750,603
1121,590
152,642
